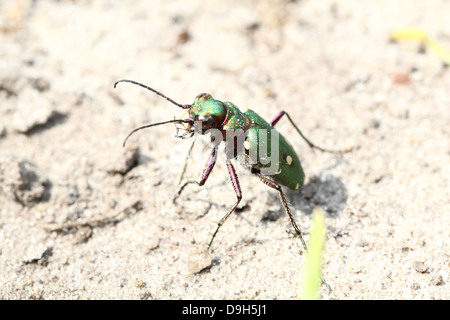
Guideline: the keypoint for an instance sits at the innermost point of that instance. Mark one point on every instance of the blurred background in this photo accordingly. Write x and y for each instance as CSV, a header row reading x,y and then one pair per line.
x,y
82,217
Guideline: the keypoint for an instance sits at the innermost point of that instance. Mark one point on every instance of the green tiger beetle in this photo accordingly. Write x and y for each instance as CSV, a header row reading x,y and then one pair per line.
x,y
243,133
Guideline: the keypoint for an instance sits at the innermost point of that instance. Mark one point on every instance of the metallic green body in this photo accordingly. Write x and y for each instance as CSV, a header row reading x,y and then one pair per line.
x,y
258,137
290,172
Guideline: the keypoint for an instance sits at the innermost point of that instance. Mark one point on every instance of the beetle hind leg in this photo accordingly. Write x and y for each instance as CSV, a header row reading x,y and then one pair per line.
x,y
310,144
277,187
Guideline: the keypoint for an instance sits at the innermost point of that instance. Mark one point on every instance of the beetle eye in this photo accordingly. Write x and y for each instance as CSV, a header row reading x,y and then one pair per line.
x,y
207,121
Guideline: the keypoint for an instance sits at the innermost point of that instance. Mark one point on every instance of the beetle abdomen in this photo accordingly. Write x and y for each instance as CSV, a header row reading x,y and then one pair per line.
x,y
271,154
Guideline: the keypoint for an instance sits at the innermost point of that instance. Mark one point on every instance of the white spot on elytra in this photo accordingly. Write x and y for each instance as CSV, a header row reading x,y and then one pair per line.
x,y
289,160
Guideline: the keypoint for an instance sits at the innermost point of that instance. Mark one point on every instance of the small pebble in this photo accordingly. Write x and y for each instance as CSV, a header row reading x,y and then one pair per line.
x,y
420,266
199,260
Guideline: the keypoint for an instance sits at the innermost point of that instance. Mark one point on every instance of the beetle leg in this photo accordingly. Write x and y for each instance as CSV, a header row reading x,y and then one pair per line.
x,y
237,190
277,118
209,166
310,144
186,160
277,187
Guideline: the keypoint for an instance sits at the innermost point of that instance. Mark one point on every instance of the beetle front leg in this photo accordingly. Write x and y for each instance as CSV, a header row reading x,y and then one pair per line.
x,y
209,166
237,190
188,156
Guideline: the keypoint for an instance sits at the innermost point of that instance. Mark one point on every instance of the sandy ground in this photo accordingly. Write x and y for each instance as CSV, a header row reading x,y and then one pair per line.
x,y
83,218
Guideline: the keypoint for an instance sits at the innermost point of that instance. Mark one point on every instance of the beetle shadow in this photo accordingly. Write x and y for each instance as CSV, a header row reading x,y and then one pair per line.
x,y
327,192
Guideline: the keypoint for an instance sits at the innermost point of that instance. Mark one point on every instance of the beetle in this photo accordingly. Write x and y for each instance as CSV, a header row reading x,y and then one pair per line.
x,y
243,133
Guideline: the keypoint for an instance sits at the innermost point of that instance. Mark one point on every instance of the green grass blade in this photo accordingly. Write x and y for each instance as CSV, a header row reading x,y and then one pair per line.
x,y
409,34
313,268
414,34
439,50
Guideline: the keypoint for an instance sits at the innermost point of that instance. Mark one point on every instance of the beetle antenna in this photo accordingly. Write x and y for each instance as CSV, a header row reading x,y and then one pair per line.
x,y
153,125
183,106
